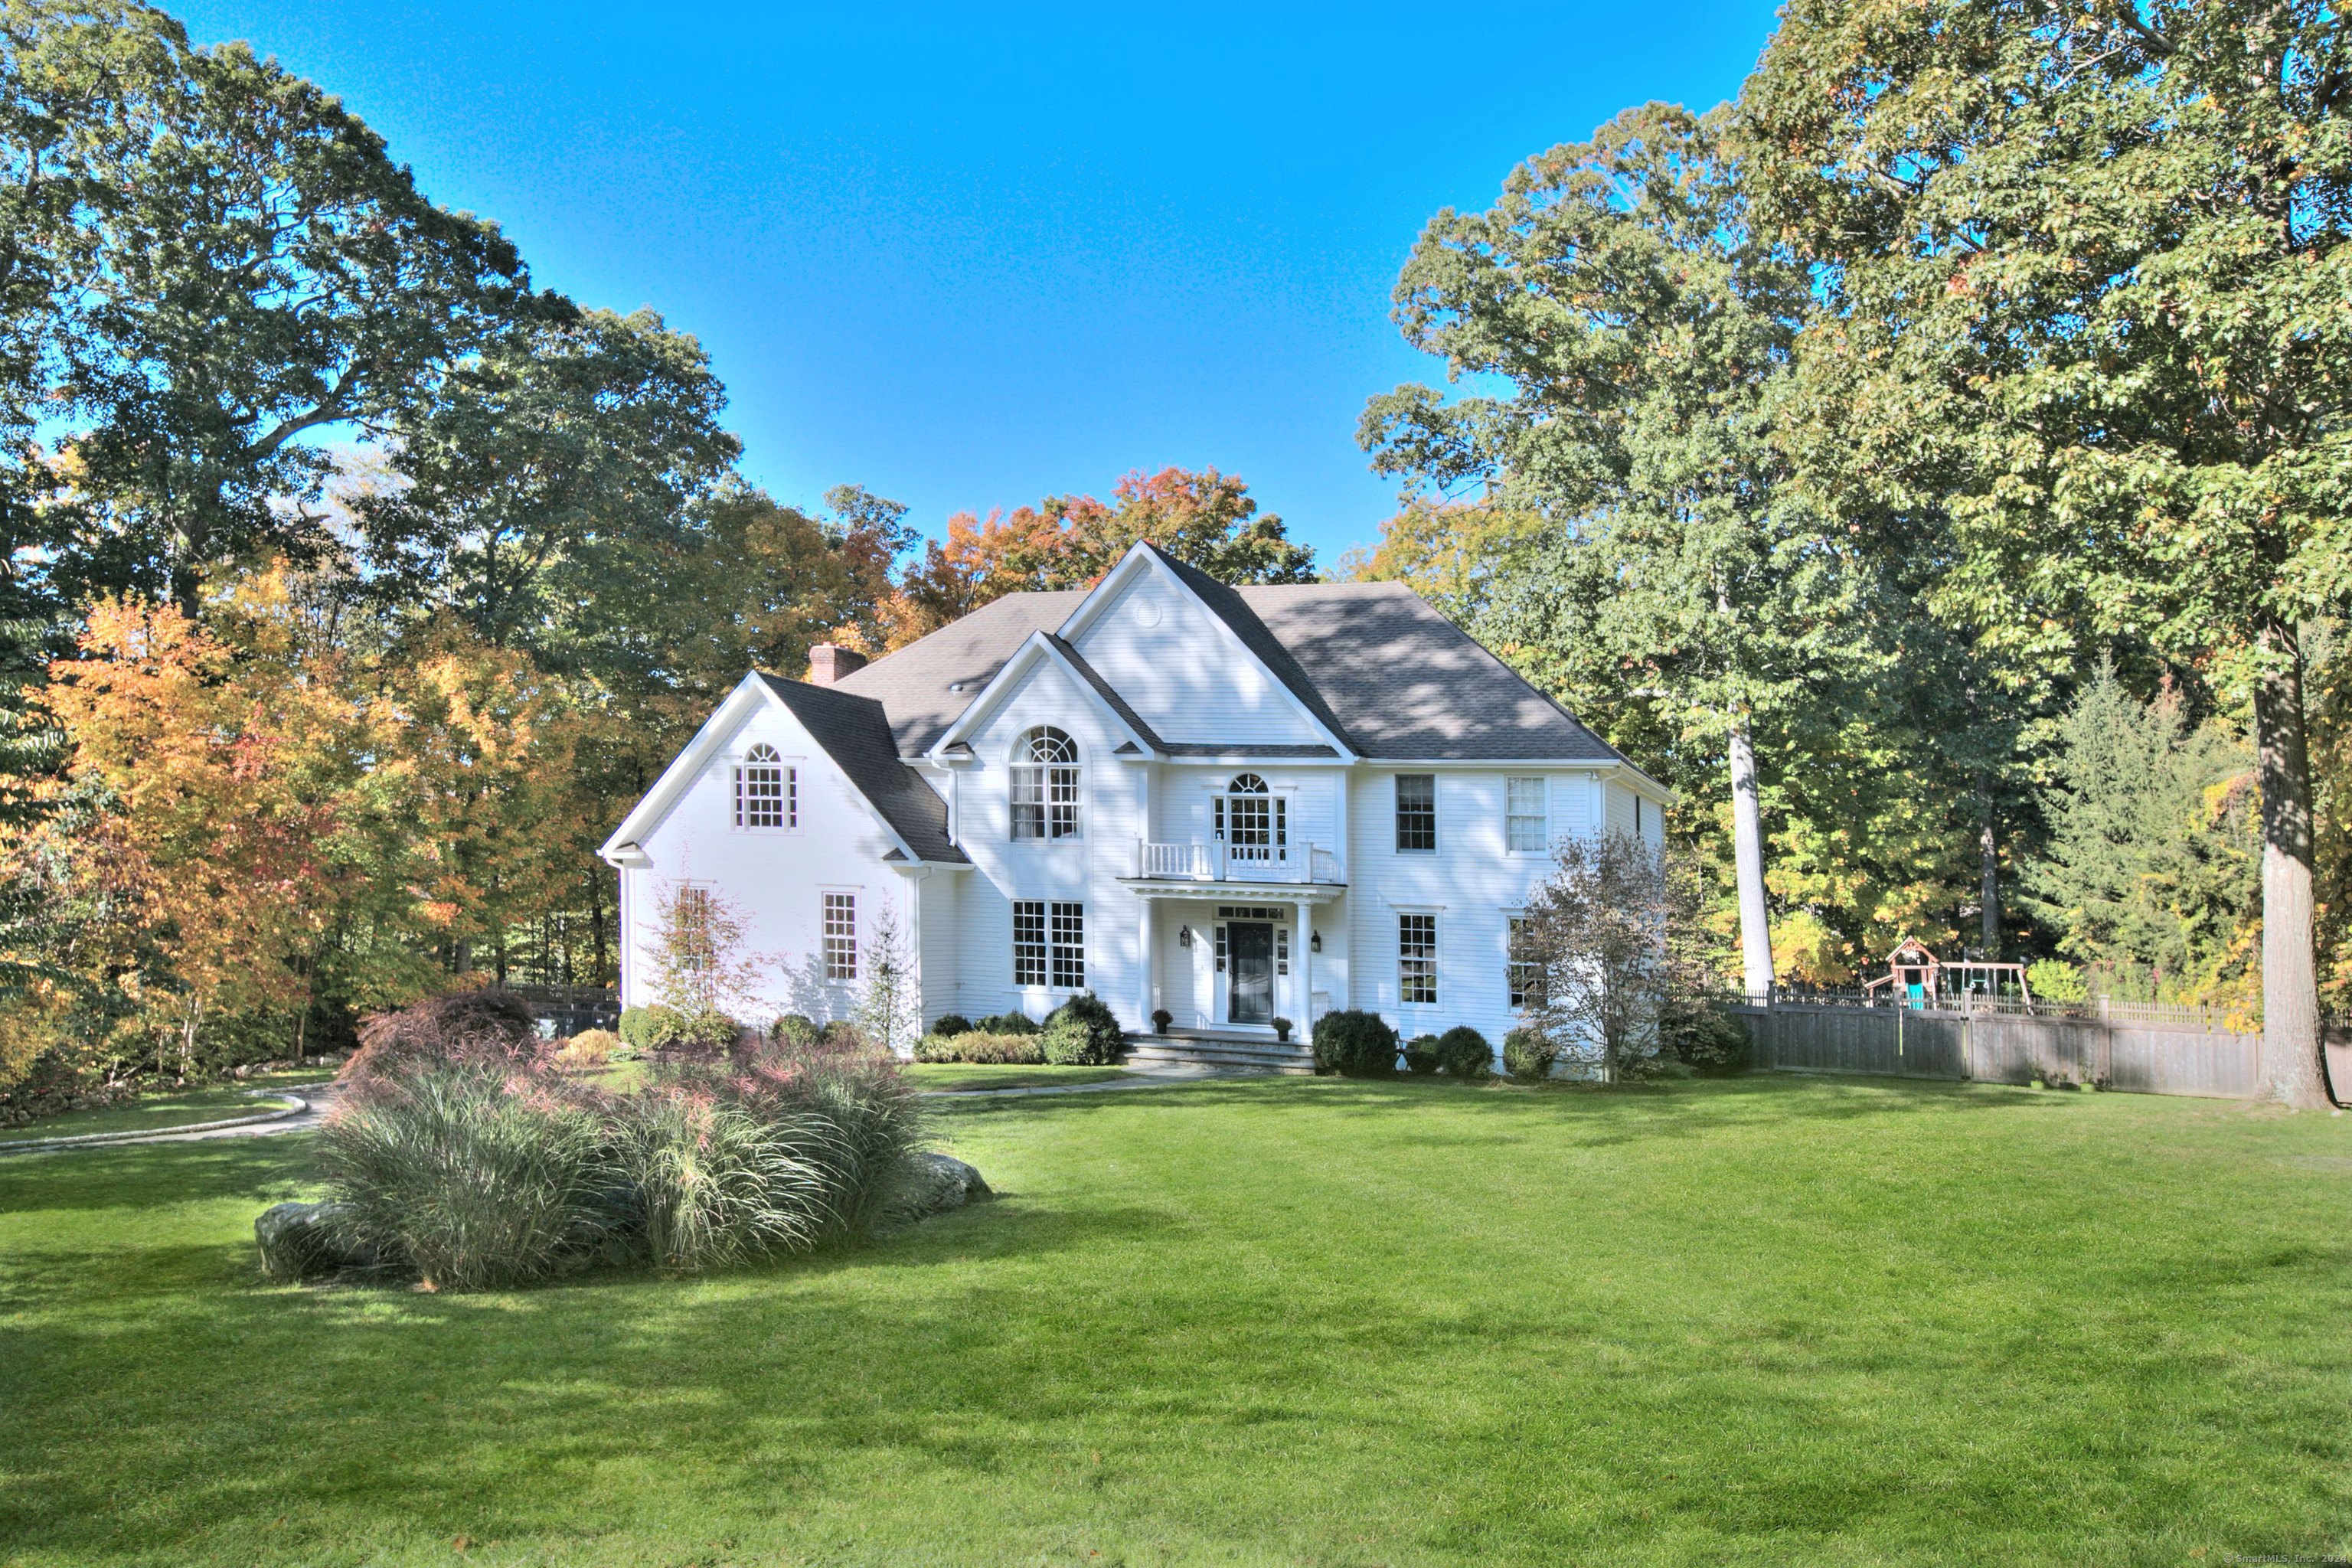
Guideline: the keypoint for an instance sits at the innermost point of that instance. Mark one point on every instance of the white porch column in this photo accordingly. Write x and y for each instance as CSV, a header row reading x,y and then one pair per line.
x,y
1143,1014
1302,967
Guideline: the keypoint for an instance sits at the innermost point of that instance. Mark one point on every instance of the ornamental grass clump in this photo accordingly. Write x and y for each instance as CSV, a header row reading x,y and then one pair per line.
x,y
712,1186
482,1175
479,1176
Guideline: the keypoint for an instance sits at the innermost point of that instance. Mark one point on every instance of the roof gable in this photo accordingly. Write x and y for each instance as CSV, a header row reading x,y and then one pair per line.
x,y
851,730
926,686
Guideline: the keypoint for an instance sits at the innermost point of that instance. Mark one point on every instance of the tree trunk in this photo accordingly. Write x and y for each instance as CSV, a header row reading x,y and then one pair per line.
x,y
2291,1043
1989,869
1747,855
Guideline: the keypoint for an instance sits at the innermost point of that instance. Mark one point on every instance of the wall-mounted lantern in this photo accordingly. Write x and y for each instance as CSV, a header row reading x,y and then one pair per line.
x,y
1315,941
1184,937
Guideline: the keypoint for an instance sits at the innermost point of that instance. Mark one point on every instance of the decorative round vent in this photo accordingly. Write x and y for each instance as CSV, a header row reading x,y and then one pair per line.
x,y
1147,613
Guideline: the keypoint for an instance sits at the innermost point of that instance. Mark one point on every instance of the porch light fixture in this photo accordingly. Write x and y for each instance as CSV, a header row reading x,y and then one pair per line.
x,y
1314,942
1184,937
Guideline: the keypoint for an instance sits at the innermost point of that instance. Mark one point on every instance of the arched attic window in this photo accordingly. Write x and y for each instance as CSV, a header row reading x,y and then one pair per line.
x,y
767,793
1252,820
1044,785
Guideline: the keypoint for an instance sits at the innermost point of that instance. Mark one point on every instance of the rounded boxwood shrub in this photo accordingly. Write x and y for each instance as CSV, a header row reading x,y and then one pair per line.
x,y
951,1025
1084,1032
1420,1055
1354,1044
1007,1024
1529,1056
1709,1039
1463,1053
794,1030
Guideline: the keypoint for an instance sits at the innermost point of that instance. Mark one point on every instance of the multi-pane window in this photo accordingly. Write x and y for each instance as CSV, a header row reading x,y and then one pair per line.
x,y
1519,967
1416,958
1253,822
1028,941
1068,931
767,793
841,936
691,916
1045,785
1416,811
1523,816
1049,944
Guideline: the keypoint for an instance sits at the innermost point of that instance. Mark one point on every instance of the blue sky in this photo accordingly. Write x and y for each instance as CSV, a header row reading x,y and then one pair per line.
x,y
966,256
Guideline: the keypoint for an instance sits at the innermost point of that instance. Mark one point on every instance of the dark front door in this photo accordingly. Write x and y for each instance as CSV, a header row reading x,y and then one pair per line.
x,y
1250,950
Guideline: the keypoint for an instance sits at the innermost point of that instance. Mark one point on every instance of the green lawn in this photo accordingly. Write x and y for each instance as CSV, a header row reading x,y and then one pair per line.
x,y
1267,1322
154,1113
979,1075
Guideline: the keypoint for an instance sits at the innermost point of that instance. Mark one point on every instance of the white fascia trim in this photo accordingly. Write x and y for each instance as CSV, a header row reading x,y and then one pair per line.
x,y
1092,606
1017,669
655,803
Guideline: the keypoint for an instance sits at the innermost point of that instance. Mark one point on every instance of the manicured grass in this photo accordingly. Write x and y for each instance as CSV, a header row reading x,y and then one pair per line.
x,y
1269,1321
154,1113
985,1075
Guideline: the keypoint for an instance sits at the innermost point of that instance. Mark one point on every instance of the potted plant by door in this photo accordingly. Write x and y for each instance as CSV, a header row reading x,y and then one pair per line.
x,y
1282,1030
1161,1018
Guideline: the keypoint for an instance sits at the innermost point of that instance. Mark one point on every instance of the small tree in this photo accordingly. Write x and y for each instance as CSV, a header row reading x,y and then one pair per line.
x,y
1596,934
699,966
891,1004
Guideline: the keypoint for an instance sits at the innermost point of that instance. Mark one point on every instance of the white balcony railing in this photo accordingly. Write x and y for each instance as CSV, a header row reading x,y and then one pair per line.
x,y
1236,862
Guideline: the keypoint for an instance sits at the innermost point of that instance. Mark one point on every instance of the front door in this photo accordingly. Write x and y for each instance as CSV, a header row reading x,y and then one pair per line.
x,y
1249,950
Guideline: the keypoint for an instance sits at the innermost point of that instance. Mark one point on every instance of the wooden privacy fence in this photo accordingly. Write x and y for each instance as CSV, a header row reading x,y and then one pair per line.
x,y
2146,1050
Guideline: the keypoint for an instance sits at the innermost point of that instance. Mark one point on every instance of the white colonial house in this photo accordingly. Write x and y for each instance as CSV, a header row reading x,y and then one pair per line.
x,y
1231,803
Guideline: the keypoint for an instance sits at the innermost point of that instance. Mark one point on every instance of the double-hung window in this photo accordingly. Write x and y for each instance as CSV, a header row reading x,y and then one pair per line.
x,y
1251,821
1416,811
1417,958
693,917
1524,826
841,936
1049,944
1045,785
1521,970
767,793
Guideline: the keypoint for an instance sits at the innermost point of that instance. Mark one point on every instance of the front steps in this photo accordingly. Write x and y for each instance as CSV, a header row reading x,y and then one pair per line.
x,y
1206,1048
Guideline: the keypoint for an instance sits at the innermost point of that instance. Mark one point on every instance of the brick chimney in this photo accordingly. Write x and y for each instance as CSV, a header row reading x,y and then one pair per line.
x,y
829,662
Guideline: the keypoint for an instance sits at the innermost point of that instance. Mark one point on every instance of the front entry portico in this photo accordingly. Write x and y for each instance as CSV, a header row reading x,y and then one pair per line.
x,y
1237,958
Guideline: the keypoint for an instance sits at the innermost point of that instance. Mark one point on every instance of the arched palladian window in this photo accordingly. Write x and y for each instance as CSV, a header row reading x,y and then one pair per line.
x,y
1252,820
767,793
1045,785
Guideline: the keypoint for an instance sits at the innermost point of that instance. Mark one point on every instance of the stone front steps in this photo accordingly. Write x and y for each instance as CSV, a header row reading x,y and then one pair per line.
x,y
1177,1048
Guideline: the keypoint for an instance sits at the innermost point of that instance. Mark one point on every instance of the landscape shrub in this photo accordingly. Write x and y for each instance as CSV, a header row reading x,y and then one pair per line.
x,y
661,1029
1463,1052
1529,1056
841,1035
1007,1024
1022,1050
590,1048
951,1024
1354,1044
1420,1055
478,1182
794,1029
1083,1032
1704,1038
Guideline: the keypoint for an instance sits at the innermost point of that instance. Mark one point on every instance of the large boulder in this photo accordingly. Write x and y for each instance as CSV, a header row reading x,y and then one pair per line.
x,y
938,1182
302,1241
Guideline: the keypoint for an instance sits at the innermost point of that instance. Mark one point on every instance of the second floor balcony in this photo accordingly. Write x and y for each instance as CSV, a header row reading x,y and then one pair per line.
x,y
1223,862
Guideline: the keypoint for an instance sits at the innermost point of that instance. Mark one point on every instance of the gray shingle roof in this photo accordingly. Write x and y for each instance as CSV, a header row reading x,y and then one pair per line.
x,y
912,683
1406,682
1374,661
855,734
